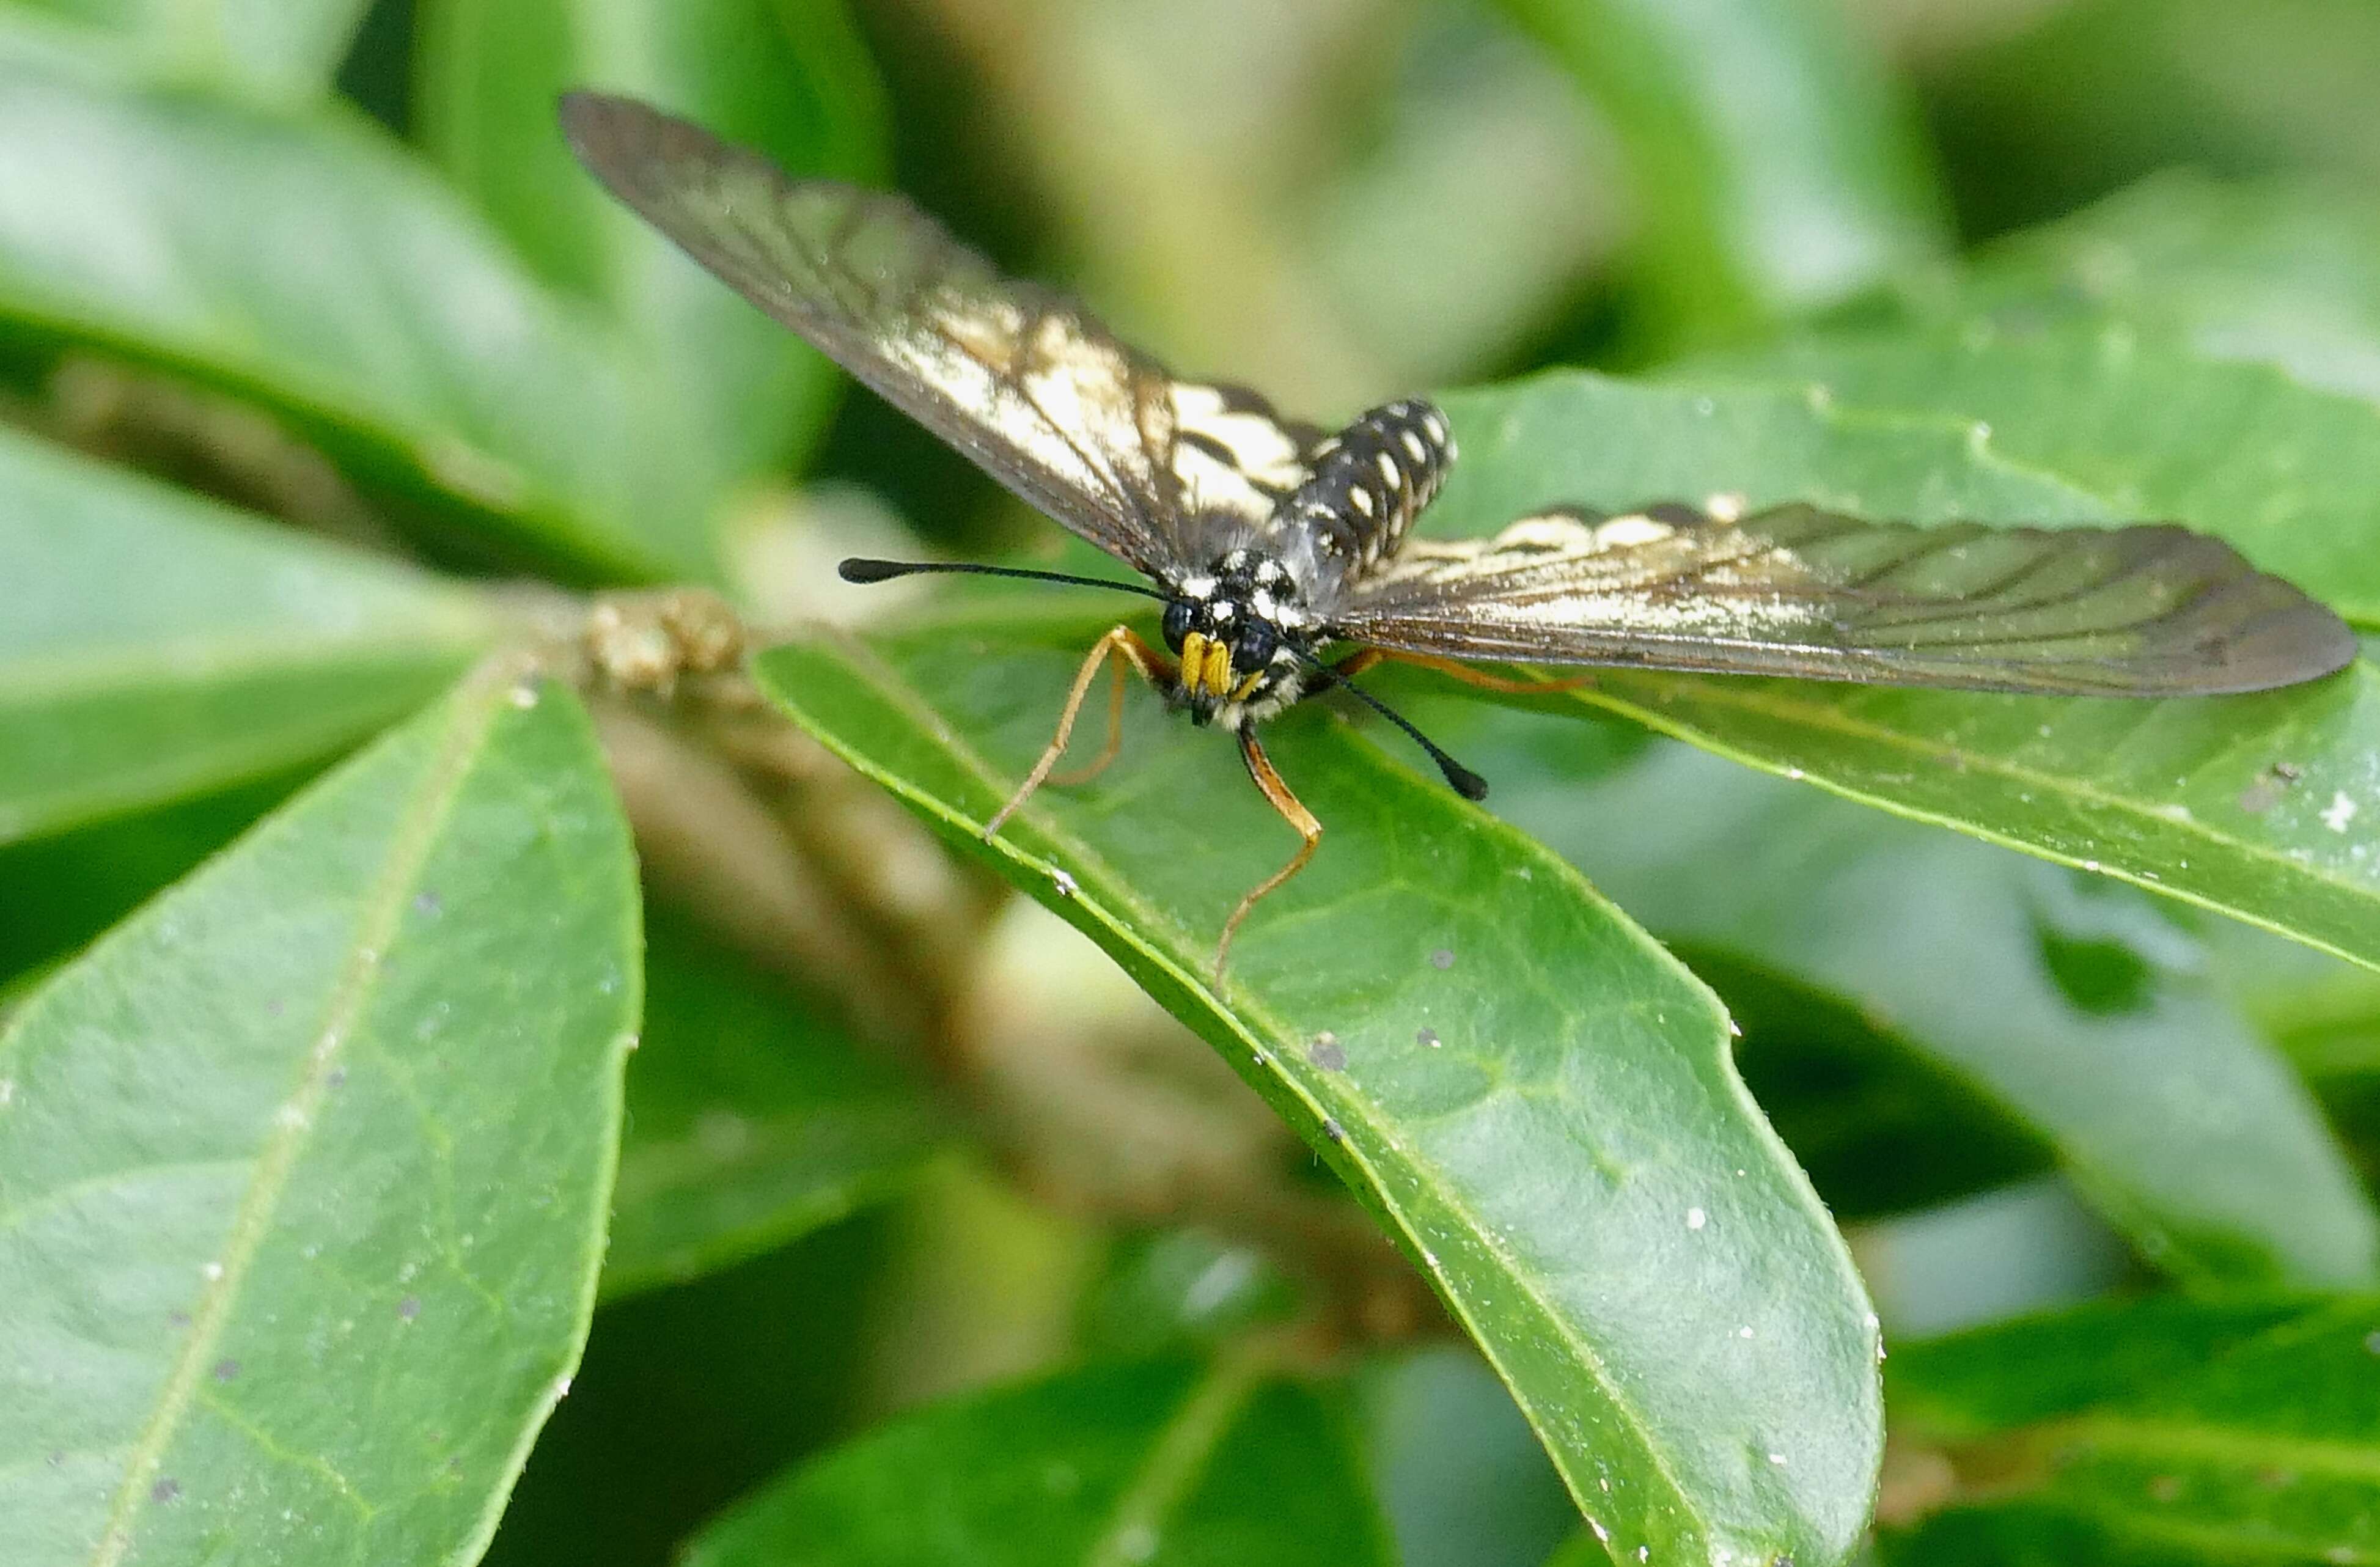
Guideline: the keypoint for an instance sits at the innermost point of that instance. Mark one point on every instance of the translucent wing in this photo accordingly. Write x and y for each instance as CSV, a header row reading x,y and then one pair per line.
x,y
2144,611
1083,427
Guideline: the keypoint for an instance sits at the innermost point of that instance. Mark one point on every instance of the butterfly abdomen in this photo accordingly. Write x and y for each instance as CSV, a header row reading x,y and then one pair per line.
x,y
1371,481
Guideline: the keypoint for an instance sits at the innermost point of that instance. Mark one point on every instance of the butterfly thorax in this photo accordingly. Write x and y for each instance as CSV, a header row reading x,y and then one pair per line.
x,y
1243,633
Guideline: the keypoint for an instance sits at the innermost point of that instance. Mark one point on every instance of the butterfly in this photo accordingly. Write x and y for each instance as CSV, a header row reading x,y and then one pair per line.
x,y
1269,540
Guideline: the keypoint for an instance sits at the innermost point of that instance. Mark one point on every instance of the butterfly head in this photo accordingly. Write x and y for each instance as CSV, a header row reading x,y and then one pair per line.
x,y
1240,629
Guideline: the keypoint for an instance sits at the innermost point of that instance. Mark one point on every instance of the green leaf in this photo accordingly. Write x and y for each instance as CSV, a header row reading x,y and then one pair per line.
x,y
312,265
2034,1368
305,1167
2263,806
1172,1290
2277,271
2096,93
2264,1448
2105,1037
1536,1100
86,878
1775,167
1463,1484
789,77
154,645
752,1119
1159,1463
278,49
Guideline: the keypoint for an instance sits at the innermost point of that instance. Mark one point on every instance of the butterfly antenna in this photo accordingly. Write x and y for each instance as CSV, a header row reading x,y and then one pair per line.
x,y
861,569
1464,782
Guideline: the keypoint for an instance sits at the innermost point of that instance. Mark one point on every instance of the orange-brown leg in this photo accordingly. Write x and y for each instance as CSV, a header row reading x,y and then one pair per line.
x,y
1358,661
1122,644
1276,795
1122,666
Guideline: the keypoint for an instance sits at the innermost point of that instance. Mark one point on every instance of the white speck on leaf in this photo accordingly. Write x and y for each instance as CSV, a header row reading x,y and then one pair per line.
x,y
524,697
1696,1218
1137,1543
1063,882
213,1271
2340,812
1778,1459
1744,1332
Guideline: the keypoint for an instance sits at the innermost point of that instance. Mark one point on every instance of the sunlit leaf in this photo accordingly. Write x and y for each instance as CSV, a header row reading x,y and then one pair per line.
x,y
312,265
2277,271
153,645
305,1167
2104,1037
1535,1098
1775,166
280,49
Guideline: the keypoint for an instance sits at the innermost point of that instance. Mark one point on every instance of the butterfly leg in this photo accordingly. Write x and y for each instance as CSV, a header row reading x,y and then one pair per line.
x,y
1123,666
1363,659
1124,645
1276,795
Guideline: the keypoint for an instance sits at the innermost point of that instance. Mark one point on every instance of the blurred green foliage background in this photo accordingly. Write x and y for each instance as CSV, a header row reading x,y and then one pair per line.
x,y
1336,201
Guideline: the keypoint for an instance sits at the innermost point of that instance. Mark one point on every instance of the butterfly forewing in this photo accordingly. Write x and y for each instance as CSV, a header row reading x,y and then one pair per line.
x,y
2145,611
1029,386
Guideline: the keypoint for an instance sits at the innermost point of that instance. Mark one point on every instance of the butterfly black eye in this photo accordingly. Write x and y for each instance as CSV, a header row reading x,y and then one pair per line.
x,y
1177,622
1255,647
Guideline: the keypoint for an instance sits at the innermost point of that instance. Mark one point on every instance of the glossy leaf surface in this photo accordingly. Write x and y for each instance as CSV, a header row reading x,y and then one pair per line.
x,y
1153,1462
1535,1098
278,49
337,1114
154,645
2066,1007
2262,1445
312,266
1777,168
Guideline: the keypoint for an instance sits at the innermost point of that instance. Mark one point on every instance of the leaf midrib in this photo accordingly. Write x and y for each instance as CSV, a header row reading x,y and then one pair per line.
x,y
476,705
1117,888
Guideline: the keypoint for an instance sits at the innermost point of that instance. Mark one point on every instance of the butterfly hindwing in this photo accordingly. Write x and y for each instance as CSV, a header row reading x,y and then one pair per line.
x,y
1796,591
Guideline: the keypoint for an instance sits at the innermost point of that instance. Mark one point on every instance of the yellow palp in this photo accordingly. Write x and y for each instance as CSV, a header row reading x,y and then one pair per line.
x,y
1193,662
1219,668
